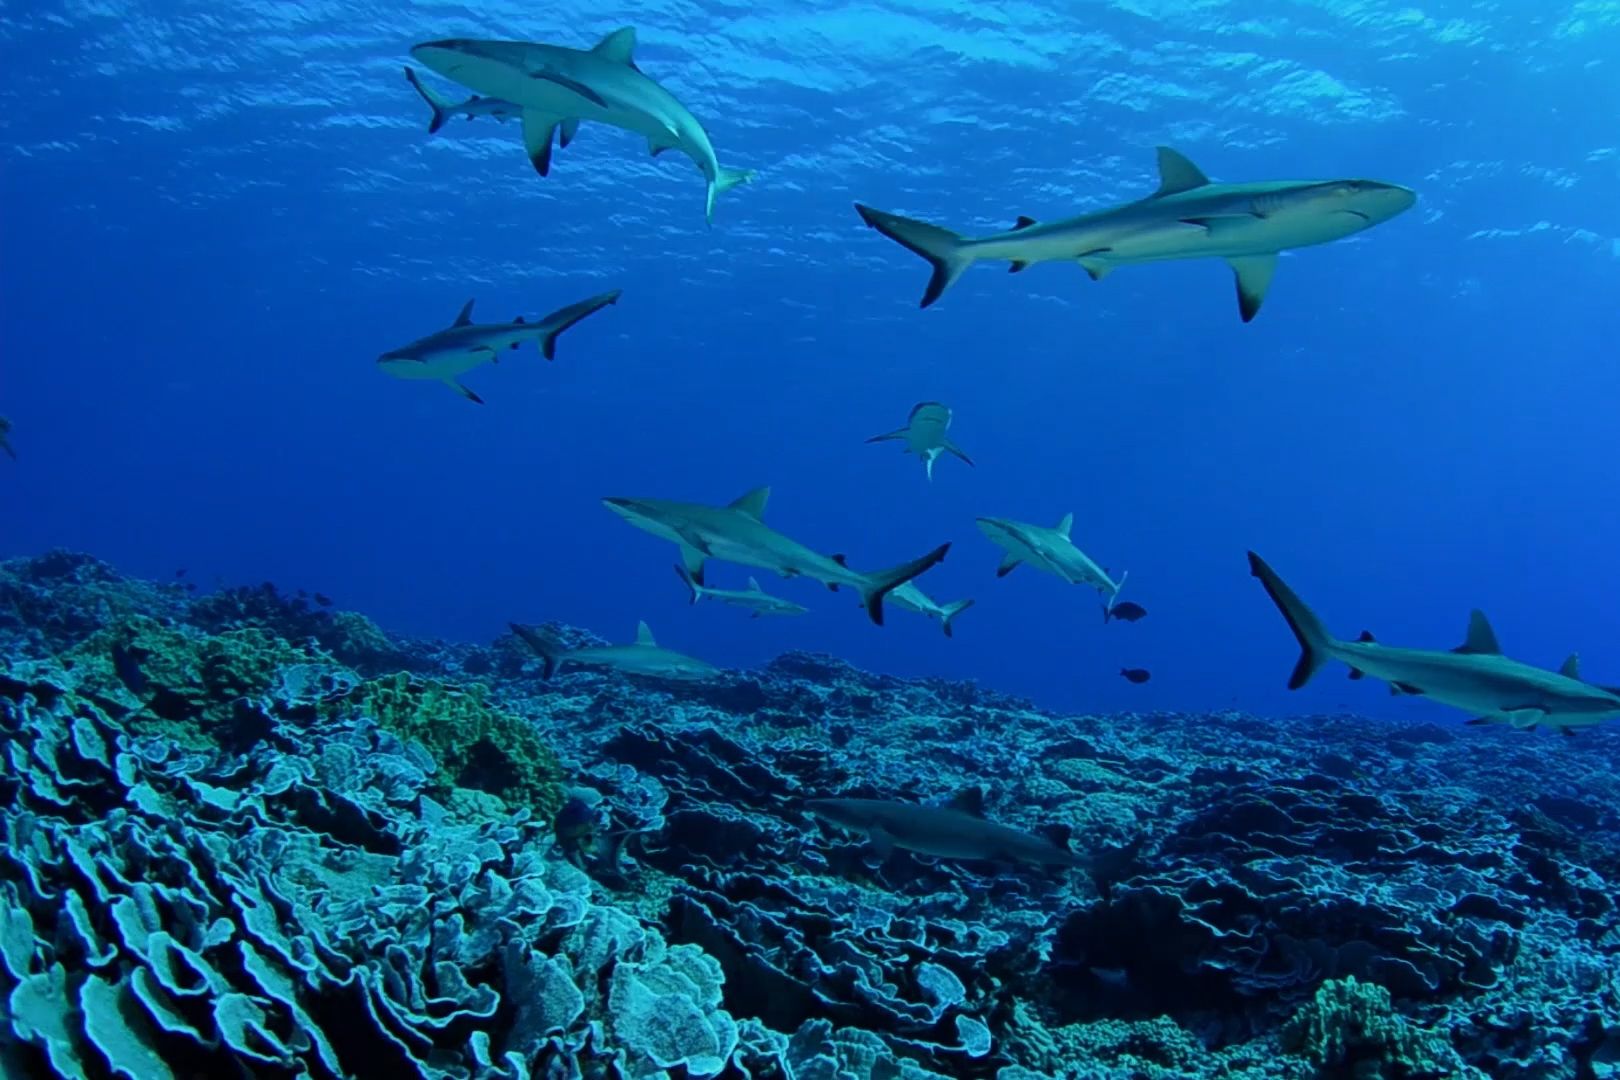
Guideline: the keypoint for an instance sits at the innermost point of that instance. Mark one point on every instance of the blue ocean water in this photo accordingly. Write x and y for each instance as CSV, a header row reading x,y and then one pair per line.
x,y
217,216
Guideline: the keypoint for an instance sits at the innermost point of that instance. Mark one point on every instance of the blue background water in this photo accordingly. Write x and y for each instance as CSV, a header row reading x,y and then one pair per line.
x,y
216,216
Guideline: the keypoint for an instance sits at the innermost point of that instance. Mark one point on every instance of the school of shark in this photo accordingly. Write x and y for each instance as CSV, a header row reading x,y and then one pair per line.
x,y
551,89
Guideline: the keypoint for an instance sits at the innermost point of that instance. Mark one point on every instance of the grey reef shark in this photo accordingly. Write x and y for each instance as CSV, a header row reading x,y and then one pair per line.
x,y
1474,676
445,355
753,599
1049,548
558,87
1188,217
942,832
445,110
737,533
924,435
911,598
644,656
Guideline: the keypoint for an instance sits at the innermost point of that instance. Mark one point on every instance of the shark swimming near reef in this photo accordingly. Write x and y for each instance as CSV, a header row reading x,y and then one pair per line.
x,y
1188,217
558,87
939,831
444,355
444,109
1474,676
737,533
911,598
1049,548
924,435
644,656
754,599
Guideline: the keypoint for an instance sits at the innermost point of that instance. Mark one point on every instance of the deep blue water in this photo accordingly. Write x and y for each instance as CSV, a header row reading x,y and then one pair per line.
x,y
216,216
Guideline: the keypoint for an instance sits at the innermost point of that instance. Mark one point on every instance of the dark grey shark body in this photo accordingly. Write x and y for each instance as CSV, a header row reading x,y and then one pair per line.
x,y
644,656
445,110
464,345
940,832
1188,217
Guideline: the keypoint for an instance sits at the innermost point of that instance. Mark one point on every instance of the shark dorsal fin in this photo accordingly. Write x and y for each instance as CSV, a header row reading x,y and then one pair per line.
x,y
1367,635
1067,524
1481,638
619,46
753,503
1572,666
753,585
1024,221
465,318
970,800
841,559
1177,174
644,635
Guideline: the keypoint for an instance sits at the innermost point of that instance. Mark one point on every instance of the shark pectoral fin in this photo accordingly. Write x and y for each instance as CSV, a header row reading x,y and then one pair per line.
x,y
572,85
657,145
1478,720
881,842
1405,688
464,392
537,131
1017,266
1008,565
888,436
1095,268
952,448
1253,275
567,130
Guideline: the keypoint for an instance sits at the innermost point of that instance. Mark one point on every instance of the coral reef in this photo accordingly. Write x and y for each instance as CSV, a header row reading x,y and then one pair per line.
x,y
237,841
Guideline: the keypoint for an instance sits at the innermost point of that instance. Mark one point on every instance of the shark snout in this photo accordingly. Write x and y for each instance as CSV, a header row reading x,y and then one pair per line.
x,y
1377,201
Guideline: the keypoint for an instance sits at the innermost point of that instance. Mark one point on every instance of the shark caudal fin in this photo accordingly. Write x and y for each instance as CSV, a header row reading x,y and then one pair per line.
x,y
1314,640
561,319
692,586
441,108
724,181
547,648
883,582
951,611
943,249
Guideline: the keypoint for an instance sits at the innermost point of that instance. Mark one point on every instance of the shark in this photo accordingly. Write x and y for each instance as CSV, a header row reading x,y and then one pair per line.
x,y
474,107
924,435
644,656
1187,217
1475,676
911,598
737,533
1049,548
939,831
446,354
5,438
755,599
558,87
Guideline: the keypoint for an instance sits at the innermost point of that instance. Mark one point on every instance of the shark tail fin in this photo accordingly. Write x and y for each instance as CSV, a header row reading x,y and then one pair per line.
x,y
441,108
692,586
563,318
883,582
951,612
945,251
547,648
1314,640
724,180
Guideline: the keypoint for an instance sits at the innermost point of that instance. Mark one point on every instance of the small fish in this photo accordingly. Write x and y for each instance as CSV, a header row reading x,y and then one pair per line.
x,y
1127,610
1136,675
127,663
180,573
323,600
